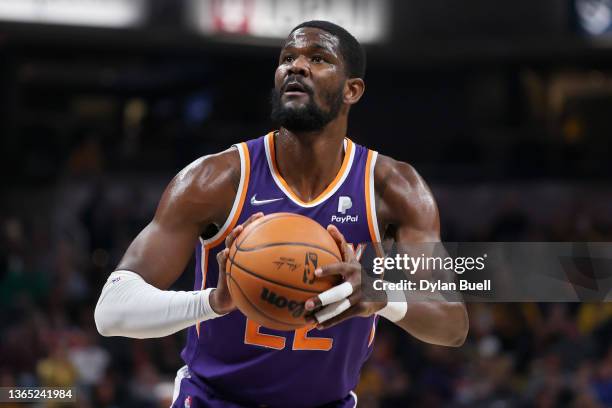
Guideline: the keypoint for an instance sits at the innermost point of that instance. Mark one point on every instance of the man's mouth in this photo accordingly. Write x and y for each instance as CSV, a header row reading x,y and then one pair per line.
x,y
294,88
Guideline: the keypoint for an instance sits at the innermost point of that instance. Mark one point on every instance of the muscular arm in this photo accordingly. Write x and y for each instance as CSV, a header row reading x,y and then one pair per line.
x,y
200,195
133,302
406,207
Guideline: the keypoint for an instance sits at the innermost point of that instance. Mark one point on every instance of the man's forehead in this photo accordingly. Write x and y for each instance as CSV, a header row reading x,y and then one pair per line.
x,y
313,37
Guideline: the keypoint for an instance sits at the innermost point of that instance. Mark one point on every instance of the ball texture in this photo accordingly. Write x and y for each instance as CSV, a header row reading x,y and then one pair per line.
x,y
270,268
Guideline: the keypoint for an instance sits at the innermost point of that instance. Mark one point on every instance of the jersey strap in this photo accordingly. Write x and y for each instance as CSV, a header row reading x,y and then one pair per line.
x,y
232,219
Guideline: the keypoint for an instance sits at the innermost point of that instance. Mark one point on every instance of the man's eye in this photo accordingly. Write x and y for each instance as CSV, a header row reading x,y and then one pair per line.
x,y
317,58
288,58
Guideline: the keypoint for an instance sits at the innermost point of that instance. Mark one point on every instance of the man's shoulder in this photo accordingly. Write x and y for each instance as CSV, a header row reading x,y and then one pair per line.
x,y
390,170
404,199
211,173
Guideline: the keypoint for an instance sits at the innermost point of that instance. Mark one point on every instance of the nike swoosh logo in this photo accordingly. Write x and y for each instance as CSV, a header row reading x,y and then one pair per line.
x,y
255,201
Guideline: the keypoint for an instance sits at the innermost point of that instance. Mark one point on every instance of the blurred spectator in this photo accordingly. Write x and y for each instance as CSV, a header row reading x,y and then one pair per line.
x,y
383,378
88,358
602,380
57,370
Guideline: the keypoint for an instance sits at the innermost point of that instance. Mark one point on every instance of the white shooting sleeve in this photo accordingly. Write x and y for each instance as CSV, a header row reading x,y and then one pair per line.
x,y
396,307
130,307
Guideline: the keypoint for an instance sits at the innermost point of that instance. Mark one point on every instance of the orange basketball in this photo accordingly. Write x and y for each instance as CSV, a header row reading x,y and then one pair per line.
x,y
270,268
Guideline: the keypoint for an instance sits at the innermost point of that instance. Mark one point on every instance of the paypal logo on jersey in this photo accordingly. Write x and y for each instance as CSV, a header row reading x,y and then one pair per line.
x,y
344,203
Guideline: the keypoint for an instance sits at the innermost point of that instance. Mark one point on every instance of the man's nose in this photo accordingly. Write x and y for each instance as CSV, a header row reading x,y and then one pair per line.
x,y
300,66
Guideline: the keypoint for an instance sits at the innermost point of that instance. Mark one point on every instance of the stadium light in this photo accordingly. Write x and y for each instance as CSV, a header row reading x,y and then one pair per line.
x,y
272,19
595,16
95,13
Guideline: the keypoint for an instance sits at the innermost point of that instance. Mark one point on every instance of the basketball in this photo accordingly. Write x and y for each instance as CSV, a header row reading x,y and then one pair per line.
x,y
270,268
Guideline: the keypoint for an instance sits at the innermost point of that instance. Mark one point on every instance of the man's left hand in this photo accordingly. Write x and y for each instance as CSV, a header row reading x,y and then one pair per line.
x,y
344,300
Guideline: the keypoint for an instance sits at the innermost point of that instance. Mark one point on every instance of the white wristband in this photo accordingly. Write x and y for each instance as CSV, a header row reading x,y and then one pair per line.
x,y
396,309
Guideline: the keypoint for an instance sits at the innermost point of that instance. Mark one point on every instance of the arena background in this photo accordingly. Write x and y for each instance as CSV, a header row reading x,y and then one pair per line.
x,y
503,107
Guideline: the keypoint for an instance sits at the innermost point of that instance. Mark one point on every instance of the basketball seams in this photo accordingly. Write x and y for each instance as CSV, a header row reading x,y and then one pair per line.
x,y
254,276
260,311
274,282
255,227
303,244
272,217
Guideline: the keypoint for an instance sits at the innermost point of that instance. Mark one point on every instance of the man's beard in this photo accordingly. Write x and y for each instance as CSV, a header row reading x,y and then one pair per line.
x,y
307,118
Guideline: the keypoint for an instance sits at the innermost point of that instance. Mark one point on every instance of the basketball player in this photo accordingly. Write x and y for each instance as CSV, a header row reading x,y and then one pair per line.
x,y
308,167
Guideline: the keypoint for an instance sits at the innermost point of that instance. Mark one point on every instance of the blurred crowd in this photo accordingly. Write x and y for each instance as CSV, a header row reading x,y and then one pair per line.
x,y
54,265
500,107
517,355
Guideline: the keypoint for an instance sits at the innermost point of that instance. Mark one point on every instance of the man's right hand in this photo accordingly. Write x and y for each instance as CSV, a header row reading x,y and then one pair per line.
x,y
220,299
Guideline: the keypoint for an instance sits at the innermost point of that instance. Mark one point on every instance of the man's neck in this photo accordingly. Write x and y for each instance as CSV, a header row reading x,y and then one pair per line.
x,y
310,161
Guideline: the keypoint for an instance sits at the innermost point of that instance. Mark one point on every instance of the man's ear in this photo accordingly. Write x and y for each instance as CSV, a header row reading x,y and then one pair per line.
x,y
353,90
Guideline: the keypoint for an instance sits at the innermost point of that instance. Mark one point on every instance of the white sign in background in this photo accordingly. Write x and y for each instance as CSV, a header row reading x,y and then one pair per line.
x,y
96,13
367,20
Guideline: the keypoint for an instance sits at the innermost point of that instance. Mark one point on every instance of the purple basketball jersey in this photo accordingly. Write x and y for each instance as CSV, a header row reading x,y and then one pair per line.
x,y
255,366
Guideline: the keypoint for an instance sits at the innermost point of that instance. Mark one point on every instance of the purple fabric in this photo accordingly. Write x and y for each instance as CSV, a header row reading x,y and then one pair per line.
x,y
236,371
196,393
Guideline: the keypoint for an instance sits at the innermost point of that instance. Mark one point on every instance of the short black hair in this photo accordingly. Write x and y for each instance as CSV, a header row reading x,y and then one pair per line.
x,y
352,52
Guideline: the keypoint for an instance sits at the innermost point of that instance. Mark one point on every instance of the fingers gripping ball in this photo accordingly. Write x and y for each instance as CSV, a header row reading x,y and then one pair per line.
x,y
270,268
